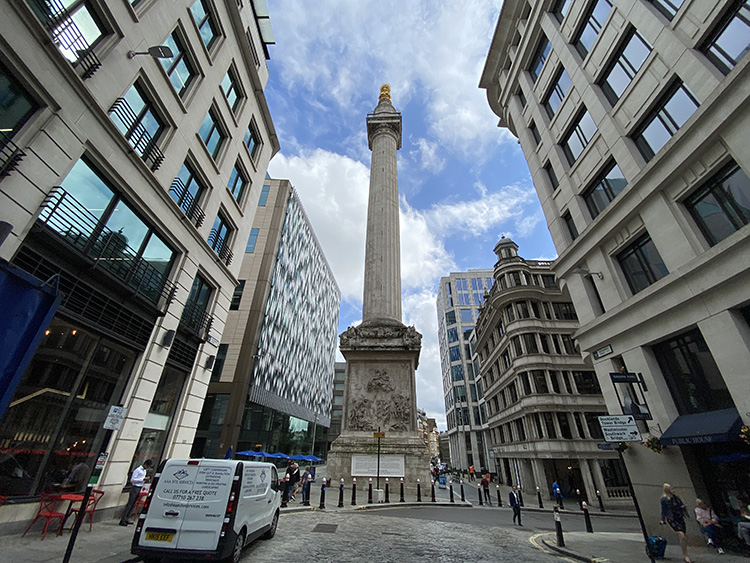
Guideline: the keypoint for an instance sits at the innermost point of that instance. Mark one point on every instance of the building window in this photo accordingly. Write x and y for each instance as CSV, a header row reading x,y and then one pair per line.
x,y
549,425
16,106
230,86
535,133
237,296
568,218
238,182
450,318
564,311
178,67
564,422
548,281
205,20
252,240
187,191
721,206
454,353
453,334
221,356
604,190
693,378
252,141
592,423
211,133
731,39
521,97
558,92
137,119
586,383
674,109
579,136
529,342
668,7
540,55
641,264
195,314
540,381
560,9
220,238
467,316
594,22
457,373
627,62
264,197
551,175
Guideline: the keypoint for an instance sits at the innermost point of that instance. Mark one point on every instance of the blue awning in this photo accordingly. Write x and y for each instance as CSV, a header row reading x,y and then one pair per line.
x,y
704,428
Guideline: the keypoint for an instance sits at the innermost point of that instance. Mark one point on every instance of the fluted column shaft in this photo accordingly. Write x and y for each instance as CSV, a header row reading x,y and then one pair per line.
x,y
382,293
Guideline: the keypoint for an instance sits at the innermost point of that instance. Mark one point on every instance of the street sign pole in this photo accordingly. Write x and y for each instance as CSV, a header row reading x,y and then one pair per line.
x,y
113,422
378,435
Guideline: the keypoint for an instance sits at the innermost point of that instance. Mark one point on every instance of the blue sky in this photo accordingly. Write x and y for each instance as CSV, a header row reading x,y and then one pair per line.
x,y
463,181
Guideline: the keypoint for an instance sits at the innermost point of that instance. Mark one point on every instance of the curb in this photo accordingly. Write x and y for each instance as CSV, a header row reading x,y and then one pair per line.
x,y
379,506
554,547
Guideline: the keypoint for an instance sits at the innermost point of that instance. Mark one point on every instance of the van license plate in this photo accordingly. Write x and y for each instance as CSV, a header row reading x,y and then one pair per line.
x,y
159,536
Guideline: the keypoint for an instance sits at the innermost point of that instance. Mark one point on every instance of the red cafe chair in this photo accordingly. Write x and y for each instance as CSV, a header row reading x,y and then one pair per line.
x,y
94,499
47,506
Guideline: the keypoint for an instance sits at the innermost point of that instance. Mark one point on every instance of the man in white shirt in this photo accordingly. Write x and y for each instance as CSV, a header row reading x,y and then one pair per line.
x,y
136,484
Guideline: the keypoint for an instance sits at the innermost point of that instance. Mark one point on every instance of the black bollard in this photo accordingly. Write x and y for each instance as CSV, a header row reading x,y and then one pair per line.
x,y
341,494
558,528
479,492
323,495
419,491
369,493
560,502
306,492
578,494
387,497
354,491
601,503
285,494
402,499
433,490
587,517
539,497
451,489
463,496
499,498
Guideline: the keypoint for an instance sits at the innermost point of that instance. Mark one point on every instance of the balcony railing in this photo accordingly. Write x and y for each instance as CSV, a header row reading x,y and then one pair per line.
x,y
79,228
220,246
138,136
10,155
196,320
58,21
187,203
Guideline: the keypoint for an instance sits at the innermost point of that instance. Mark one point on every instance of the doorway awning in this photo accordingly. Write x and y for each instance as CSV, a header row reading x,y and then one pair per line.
x,y
703,428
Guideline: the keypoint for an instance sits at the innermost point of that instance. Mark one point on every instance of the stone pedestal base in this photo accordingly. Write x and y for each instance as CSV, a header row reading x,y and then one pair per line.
x,y
416,464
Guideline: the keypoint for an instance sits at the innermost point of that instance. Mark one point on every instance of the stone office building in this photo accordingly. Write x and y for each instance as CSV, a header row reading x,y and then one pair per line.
x,y
633,118
542,399
134,179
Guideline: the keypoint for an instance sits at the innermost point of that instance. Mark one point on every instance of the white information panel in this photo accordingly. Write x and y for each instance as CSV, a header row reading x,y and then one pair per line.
x,y
619,428
367,465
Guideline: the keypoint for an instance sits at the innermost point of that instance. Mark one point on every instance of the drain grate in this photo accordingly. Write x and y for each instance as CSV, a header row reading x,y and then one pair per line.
x,y
326,528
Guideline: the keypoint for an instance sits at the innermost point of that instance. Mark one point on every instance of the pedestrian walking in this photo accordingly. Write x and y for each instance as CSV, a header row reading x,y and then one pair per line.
x,y
486,489
673,512
557,493
471,473
515,505
306,484
137,479
709,522
292,469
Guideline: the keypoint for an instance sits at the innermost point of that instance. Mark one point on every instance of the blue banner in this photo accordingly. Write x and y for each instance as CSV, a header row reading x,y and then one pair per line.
x,y
28,305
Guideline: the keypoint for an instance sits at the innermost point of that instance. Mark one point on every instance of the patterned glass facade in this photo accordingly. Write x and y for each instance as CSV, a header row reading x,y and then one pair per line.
x,y
295,367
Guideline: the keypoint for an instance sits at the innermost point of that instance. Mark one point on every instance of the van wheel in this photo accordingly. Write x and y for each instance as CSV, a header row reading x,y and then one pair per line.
x,y
272,531
239,543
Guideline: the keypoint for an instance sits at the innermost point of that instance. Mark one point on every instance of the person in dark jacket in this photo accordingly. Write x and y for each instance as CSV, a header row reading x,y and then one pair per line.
x,y
486,489
673,512
515,505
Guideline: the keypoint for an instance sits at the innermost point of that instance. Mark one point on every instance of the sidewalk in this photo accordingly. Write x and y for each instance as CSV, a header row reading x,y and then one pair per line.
x,y
620,547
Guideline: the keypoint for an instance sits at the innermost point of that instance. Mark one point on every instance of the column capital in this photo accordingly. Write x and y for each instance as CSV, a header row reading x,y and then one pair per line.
x,y
384,123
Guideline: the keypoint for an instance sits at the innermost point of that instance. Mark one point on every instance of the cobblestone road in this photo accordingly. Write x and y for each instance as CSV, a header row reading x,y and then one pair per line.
x,y
368,536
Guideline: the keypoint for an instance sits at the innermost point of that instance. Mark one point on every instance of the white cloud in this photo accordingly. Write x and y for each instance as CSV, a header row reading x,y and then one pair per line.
x,y
343,52
426,154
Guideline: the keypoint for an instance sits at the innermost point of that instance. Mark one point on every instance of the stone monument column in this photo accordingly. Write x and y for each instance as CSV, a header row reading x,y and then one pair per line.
x,y
382,353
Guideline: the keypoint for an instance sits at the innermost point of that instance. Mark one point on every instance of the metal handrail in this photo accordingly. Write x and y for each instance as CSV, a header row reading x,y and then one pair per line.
x,y
195,319
10,155
58,22
137,135
182,197
79,228
220,246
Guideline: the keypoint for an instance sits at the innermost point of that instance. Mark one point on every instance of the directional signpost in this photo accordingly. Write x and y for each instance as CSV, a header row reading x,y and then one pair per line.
x,y
619,428
623,428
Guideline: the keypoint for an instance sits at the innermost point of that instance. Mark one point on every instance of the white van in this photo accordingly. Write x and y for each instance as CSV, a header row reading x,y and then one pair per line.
x,y
207,509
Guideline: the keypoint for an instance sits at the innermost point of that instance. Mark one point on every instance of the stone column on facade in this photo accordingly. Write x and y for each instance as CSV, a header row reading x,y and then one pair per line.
x,y
382,353
601,486
588,480
540,478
